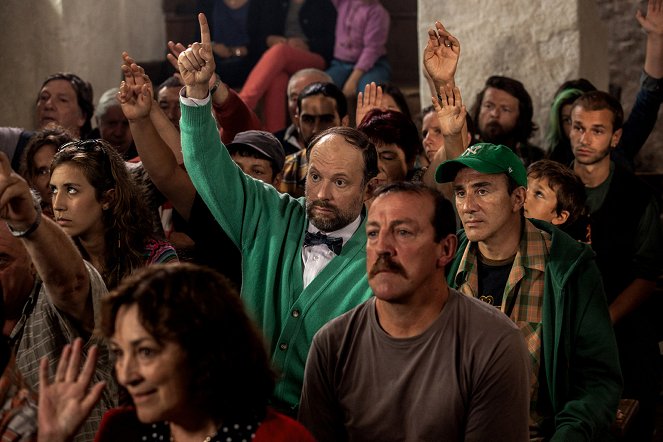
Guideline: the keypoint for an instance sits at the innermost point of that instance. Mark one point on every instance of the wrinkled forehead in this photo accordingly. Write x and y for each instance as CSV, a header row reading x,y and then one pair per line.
x,y
334,153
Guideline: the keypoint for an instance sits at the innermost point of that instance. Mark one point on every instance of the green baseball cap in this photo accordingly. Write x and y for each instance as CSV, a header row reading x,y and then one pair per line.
x,y
485,158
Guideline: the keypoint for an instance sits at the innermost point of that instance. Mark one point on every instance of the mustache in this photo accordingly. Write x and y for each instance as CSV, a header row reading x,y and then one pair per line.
x,y
322,204
384,263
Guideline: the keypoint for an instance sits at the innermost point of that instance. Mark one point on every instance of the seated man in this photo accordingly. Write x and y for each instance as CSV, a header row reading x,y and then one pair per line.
x,y
419,361
547,283
319,107
303,260
51,296
113,126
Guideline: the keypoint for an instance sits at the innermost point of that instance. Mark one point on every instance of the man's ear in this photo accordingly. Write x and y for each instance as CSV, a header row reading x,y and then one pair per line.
x,y
616,136
518,198
560,219
345,121
370,188
448,246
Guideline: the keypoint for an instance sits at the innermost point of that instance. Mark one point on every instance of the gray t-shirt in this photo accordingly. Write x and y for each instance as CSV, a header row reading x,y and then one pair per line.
x,y
43,330
465,378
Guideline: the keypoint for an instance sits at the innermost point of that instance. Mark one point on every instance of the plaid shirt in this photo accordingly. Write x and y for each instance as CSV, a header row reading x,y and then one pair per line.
x,y
523,293
294,174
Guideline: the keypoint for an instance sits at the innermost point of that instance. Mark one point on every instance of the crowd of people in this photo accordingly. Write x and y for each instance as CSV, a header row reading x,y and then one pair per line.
x,y
189,270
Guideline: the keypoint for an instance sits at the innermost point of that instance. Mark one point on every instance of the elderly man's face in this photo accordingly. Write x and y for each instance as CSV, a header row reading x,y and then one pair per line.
x,y
114,128
334,183
297,86
57,104
16,271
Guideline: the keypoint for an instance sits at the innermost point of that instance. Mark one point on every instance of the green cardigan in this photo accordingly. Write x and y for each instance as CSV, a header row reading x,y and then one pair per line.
x,y
269,227
580,358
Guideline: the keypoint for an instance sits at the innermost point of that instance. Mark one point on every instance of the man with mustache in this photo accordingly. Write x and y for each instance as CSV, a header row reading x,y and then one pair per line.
x,y
547,283
418,361
303,259
503,114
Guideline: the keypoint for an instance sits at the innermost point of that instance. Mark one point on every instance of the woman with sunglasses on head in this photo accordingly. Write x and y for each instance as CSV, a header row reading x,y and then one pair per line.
x,y
98,204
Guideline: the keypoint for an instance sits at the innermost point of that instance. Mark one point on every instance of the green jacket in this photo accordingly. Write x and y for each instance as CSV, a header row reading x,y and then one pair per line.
x,y
580,358
268,227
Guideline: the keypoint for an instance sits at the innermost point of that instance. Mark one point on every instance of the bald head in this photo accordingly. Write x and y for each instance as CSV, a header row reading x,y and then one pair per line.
x,y
298,81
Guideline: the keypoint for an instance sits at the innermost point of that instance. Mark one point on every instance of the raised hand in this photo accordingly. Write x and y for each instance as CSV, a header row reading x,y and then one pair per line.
x,y
370,99
66,403
196,64
17,207
653,21
450,110
441,55
135,95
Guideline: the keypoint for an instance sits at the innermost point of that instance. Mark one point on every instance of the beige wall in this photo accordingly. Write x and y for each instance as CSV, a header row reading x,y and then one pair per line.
x,y
86,37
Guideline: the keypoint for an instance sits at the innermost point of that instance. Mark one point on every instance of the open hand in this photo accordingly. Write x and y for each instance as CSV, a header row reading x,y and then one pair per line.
x,y
370,99
450,110
65,403
441,55
653,21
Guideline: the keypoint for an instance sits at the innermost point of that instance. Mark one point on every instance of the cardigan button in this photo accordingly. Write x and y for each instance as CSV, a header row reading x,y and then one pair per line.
x,y
295,313
283,346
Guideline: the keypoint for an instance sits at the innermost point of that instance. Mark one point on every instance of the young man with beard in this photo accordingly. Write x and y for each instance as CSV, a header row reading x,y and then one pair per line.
x,y
627,239
303,260
547,283
503,114
418,361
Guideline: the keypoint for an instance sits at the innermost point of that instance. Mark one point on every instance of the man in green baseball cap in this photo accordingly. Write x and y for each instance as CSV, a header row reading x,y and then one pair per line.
x,y
542,279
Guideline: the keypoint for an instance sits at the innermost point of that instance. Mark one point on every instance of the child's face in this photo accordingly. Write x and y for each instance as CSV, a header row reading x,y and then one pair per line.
x,y
541,201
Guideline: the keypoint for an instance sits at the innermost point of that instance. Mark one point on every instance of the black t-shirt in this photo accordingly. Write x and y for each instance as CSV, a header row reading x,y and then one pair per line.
x,y
492,279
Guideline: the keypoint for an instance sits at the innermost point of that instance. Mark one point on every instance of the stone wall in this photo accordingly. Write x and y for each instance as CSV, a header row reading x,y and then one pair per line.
x,y
85,37
543,44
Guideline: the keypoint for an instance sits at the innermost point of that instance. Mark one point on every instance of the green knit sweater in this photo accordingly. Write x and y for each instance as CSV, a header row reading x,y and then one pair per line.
x,y
269,227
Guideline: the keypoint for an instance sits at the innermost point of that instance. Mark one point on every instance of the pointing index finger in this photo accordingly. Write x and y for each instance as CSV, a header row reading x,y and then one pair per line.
x,y
204,29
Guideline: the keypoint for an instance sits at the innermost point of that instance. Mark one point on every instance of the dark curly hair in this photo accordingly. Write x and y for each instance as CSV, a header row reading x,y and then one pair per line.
x,y
392,127
198,309
127,222
56,136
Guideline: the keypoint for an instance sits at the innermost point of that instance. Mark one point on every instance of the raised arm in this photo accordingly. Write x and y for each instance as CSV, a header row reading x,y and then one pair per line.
x,y
451,113
441,56
196,64
54,255
158,159
643,116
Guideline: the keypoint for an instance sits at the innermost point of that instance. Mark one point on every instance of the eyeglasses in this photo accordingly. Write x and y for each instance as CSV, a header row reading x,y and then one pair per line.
x,y
84,145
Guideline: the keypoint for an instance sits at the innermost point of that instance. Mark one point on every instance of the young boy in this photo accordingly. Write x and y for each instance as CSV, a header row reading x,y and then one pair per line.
x,y
557,195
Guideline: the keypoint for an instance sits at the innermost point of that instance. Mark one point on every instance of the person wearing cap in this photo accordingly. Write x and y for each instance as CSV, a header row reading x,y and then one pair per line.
x,y
547,283
303,260
113,126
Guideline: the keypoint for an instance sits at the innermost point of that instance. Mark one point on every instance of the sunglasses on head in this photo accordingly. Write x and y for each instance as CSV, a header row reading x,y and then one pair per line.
x,y
84,145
